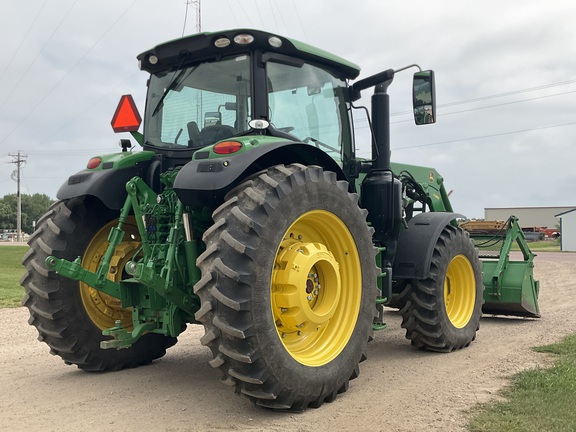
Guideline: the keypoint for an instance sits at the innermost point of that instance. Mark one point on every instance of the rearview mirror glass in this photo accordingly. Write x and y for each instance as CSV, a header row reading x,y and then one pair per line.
x,y
212,118
424,102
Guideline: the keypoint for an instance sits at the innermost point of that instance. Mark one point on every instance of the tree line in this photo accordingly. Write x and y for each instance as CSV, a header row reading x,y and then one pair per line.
x,y
33,207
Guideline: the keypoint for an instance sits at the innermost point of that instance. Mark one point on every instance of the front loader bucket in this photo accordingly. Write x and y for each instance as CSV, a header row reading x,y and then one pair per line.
x,y
509,286
517,293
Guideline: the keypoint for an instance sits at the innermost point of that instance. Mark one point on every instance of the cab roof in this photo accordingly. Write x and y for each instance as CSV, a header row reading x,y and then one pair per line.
x,y
212,46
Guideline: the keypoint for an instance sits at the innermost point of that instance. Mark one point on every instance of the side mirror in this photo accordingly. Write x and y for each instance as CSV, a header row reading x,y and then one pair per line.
x,y
423,98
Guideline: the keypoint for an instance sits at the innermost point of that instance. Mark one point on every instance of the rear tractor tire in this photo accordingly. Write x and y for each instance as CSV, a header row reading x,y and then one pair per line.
x,y
443,311
69,315
288,287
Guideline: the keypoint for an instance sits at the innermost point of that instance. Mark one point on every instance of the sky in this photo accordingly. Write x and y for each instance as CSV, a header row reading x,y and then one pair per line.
x,y
505,83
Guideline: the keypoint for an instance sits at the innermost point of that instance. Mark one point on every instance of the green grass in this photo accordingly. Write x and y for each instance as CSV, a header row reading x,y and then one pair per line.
x,y
487,242
542,246
538,399
11,292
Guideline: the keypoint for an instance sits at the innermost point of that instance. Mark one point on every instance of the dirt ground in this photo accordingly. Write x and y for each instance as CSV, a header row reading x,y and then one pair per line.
x,y
399,389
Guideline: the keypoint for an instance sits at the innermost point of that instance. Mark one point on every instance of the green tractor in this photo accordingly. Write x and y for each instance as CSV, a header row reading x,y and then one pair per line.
x,y
249,212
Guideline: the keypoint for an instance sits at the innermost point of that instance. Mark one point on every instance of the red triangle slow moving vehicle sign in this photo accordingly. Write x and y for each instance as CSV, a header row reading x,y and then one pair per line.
x,y
126,118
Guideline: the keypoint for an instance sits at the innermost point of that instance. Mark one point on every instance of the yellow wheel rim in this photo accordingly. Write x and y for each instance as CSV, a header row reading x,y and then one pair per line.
x,y
103,309
316,288
459,291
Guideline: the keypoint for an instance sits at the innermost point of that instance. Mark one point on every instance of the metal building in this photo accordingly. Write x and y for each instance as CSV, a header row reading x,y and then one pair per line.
x,y
568,230
528,216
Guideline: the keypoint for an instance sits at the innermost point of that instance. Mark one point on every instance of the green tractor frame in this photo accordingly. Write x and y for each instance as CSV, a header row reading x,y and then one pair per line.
x,y
248,212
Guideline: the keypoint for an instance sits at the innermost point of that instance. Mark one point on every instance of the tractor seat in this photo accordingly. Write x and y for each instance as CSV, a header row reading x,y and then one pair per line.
x,y
211,134
193,135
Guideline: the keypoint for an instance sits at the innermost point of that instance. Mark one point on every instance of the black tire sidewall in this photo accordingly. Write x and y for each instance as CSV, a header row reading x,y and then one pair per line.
x,y
87,217
459,244
288,371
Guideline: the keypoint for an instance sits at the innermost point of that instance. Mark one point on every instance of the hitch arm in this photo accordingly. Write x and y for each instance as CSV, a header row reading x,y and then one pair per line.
x,y
74,270
122,338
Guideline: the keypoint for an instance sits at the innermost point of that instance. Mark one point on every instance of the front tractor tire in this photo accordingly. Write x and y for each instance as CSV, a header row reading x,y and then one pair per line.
x,y
288,287
443,311
69,315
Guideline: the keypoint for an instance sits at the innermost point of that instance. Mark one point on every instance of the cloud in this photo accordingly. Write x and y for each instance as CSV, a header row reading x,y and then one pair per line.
x,y
66,63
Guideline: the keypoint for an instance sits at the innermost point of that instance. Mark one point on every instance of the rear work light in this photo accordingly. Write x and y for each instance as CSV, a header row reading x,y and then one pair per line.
x,y
94,163
275,42
222,42
244,39
227,147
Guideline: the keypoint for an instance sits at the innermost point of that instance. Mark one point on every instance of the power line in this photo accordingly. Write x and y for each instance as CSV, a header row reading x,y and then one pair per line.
x,y
282,18
497,95
46,42
489,106
232,12
66,74
510,93
512,102
462,102
259,14
485,136
300,21
244,11
68,152
23,39
79,114
273,14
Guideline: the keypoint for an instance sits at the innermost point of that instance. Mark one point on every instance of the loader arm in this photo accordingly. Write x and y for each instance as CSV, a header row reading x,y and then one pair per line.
x,y
428,182
509,285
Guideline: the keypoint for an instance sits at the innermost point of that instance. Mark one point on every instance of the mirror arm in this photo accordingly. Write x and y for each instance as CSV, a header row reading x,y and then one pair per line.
x,y
408,67
379,78
371,81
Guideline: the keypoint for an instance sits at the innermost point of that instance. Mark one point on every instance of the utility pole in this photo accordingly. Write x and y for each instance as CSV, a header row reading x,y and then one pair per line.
x,y
19,160
198,16
197,6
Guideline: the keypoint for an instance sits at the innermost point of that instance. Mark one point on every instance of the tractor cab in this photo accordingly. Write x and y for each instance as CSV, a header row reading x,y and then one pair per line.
x,y
211,87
